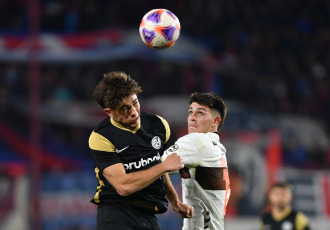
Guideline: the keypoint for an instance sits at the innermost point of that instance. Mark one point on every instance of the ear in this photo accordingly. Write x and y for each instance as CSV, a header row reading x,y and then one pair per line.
x,y
217,120
108,111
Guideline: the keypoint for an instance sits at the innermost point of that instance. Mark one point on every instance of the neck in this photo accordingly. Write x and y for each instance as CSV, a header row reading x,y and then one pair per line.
x,y
280,210
278,214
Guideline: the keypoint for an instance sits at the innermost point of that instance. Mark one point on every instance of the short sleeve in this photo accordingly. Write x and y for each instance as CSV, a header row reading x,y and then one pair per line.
x,y
98,142
167,129
103,151
301,221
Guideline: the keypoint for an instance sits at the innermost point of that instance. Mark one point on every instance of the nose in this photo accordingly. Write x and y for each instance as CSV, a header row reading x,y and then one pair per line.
x,y
191,118
134,112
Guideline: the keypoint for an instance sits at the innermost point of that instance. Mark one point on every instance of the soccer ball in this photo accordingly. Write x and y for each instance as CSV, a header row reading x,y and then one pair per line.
x,y
159,29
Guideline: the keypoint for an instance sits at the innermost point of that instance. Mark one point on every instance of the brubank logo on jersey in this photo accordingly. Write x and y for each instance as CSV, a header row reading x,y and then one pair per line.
x,y
141,163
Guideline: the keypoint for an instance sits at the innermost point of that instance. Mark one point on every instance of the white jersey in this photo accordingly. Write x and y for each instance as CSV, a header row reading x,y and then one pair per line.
x,y
207,189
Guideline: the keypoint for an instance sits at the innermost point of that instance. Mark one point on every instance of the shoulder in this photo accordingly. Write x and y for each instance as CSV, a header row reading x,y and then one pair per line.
x,y
98,139
151,117
155,122
200,137
266,217
99,142
103,125
192,142
301,220
193,136
147,115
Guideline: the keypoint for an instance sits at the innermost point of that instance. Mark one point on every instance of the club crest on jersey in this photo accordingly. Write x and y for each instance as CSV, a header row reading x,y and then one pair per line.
x,y
287,225
155,142
173,148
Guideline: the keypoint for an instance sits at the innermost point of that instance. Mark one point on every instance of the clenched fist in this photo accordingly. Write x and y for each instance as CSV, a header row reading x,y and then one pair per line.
x,y
173,162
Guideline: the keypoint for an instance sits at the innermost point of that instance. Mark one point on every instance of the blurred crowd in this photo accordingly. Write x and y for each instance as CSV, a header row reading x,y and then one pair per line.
x,y
273,54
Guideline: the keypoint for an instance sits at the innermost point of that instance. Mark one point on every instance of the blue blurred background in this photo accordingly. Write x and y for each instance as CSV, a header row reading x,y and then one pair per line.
x,y
269,60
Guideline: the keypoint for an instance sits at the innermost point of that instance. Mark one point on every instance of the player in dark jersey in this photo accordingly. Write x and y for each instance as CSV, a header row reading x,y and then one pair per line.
x,y
281,215
126,147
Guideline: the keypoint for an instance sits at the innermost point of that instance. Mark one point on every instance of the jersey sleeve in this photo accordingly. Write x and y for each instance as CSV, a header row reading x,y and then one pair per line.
x,y
186,148
301,222
261,224
103,151
167,129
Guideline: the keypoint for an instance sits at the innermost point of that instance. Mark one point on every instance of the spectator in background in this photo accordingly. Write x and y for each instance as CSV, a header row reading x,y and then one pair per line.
x,y
281,215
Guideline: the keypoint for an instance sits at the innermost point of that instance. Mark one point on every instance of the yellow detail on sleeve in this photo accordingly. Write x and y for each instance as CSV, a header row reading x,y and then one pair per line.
x,y
98,142
262,226
301,221
167,128
97,194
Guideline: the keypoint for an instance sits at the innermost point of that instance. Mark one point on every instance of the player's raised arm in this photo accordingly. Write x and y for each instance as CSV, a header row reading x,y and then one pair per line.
x,y
126,184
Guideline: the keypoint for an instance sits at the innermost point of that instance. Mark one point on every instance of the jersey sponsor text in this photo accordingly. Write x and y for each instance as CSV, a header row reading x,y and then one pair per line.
x,y
141,163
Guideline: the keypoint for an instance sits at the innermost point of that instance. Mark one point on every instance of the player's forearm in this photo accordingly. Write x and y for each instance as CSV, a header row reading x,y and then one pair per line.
x,y
128,183
171,193
184,210
136,181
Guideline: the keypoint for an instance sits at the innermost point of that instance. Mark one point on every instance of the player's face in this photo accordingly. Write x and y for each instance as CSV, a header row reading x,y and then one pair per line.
x,y
280,198
200,119
128,113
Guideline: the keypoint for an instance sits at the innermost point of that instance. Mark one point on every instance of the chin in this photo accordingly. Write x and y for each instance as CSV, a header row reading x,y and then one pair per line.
x,y
134,125
192,131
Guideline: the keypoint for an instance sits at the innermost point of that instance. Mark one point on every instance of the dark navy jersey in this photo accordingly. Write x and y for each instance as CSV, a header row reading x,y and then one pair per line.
x,y
291,220
137,149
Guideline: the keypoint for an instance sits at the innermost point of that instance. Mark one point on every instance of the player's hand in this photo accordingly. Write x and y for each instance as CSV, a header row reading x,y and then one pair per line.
x,y
174,162
185,210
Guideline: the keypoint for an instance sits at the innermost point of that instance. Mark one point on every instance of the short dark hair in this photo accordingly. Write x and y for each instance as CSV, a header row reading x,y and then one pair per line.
x,y
281,184
213,101
113,88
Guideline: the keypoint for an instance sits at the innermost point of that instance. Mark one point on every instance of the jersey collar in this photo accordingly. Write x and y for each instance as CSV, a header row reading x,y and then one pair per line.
x,y
124,128
282,215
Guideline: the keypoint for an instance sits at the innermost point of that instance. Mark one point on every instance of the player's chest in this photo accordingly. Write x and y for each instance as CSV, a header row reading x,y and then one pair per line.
x,y
140,150
126,142
285,224
213,156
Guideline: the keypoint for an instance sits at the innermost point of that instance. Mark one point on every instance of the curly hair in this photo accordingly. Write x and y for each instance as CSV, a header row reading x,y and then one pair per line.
x,y
213,101
113,88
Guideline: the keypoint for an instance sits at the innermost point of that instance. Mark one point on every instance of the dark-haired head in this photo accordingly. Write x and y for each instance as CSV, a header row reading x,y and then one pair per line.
x,y
213,101
113,88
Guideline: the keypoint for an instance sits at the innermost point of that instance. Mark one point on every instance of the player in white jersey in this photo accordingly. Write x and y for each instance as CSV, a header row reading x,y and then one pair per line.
x,y
205,179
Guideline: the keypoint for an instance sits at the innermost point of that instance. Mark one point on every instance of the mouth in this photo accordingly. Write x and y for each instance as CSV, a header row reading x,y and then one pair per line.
x,y
192,129
135,121
193,125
